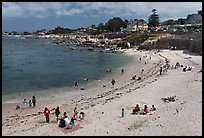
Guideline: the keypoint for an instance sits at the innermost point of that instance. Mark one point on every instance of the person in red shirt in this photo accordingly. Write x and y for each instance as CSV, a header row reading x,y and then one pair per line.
x,y
46,114
146,109
136,109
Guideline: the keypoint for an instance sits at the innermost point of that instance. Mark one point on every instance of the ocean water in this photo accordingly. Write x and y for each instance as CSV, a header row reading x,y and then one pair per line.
x,y
31,64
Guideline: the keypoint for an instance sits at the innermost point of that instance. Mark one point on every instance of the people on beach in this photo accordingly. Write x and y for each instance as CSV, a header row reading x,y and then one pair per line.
x,y
177,65
142,71
86,78
122,71
34,101
184,69
139,78
76,84
66,119
46,114
153,108
136,109
30,103
61,123
140,59
57,113
160,71
81,115
113,82
75,111
145,110
25,103
169,99
71,123
134,77
200,70
108,70
123,112
17,107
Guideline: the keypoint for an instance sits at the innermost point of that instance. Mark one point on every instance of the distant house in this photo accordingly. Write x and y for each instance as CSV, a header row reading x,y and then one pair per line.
x,y
137,25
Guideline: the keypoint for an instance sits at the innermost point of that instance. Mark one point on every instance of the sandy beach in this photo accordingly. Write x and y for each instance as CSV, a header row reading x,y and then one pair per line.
x,y
102,105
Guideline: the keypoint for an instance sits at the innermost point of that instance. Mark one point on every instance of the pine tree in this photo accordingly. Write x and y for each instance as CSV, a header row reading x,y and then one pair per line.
x,y
153,19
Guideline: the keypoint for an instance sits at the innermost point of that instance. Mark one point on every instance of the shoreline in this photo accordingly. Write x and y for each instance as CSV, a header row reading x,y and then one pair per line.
x,y
70,91
98,98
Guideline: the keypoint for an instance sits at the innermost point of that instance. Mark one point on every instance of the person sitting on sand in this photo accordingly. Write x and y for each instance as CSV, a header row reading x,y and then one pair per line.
x,y
145,110
153,108
200,70
189,69
139,78
184,69
136,109
133,78
171,99
81,115
61,123
25,103
66,119
17,107
72,122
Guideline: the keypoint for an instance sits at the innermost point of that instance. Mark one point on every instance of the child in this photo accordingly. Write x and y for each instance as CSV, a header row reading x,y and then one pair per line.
x,y
153,108
25,103
30,104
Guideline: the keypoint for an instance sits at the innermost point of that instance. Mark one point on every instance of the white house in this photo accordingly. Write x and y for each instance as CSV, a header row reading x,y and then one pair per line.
x,y
136,26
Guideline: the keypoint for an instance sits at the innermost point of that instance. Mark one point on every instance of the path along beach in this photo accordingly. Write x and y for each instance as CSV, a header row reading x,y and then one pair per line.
x,y
102,105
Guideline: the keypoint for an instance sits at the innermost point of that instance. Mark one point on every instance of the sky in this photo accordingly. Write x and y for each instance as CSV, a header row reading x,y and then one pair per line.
x,y
32,16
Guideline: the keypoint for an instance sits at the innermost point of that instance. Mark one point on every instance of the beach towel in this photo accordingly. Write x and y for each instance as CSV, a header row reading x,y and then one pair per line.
x,y
74,128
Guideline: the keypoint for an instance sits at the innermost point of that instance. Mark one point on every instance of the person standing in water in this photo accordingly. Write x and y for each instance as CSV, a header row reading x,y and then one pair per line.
x,y
76,84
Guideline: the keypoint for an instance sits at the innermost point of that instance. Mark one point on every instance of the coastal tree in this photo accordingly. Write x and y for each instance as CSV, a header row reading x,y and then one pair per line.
x,y
170,22
115,24
181,21
101,27
60,30
153,20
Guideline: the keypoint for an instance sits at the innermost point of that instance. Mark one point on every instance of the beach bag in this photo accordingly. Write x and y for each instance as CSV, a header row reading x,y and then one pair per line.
x,y
62,123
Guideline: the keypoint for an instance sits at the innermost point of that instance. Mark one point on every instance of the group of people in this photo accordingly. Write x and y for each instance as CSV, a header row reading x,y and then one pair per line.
x,y
187,68
169,99
63,121
30,103
134,78
145,110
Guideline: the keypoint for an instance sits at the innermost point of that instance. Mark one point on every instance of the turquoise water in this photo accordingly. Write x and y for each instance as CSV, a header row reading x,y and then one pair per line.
x,y
30,64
